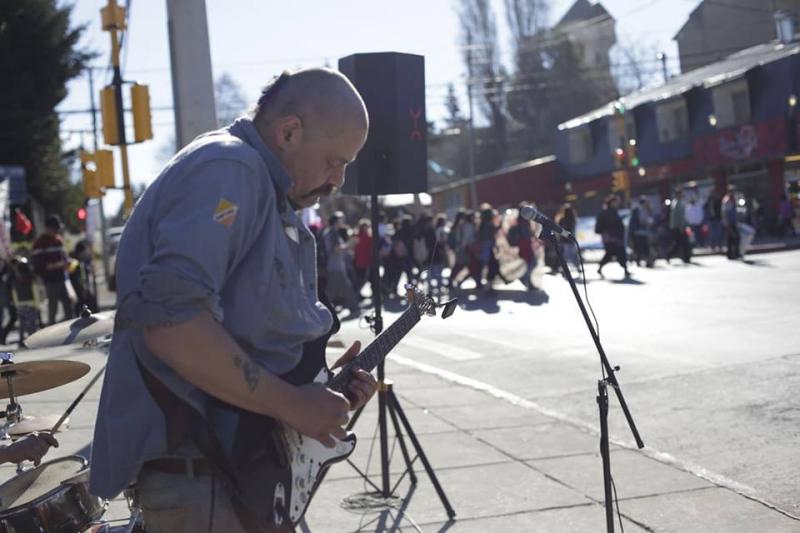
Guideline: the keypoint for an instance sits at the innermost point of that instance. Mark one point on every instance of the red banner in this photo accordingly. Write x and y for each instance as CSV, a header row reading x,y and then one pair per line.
x,y
742,143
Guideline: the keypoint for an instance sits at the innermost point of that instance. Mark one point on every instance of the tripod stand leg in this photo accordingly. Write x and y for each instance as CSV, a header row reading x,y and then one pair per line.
x,y
383,437
354,418
602,402
401,440
431,474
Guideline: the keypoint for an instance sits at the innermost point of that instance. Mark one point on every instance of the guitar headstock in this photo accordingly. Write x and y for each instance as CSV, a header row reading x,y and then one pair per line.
x,y
426,304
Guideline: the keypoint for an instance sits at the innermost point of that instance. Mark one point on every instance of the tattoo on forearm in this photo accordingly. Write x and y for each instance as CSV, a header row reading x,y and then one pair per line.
x,y
250,371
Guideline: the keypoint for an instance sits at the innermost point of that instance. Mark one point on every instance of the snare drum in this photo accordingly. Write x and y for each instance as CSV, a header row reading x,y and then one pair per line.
x,y
51,498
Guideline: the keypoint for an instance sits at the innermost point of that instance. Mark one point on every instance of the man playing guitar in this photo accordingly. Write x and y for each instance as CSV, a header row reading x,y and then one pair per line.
x,y
217,291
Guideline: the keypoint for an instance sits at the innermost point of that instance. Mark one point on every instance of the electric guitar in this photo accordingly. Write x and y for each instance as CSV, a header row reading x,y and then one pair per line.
x,y
304,458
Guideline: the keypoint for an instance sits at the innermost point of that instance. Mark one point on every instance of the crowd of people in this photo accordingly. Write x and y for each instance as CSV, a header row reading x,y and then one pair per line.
x,y
483,245
480,245
722,223
45,272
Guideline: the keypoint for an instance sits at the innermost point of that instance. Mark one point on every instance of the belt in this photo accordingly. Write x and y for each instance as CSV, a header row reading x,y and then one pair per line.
x,y
182,466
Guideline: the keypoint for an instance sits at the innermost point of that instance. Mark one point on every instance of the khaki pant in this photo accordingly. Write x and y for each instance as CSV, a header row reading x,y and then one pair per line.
x,y
173,503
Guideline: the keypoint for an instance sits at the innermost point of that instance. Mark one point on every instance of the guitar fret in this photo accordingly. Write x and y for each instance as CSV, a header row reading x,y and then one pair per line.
x,y
373,354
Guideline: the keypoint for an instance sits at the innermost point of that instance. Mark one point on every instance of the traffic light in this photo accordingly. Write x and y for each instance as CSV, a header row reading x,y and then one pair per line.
x,y
619,158
91,185
113,17
619,181
104,166
142,121
108,108
80,214
633,157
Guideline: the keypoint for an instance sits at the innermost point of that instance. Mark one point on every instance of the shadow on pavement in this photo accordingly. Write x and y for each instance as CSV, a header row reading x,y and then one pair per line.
x,y
627,281
488,302
757,263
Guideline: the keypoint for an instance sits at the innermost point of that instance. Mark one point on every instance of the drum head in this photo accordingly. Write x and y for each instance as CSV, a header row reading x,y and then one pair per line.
x,y
37,482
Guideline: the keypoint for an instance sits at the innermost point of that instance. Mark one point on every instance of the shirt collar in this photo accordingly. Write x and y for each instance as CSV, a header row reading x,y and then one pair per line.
x,y
245,129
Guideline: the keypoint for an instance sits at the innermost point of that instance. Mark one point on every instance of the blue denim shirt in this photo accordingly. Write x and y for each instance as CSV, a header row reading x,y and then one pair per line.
x,y
213,232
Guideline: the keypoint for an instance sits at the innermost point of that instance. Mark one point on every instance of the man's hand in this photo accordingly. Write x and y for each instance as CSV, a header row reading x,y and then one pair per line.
x,y
363,385
31,448
318,412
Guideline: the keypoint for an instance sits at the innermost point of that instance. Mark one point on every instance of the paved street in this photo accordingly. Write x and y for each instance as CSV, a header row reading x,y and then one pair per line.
x,y
710,358
502,397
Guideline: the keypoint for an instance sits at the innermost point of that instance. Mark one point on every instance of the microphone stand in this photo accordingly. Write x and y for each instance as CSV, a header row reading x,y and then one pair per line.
x,y
609,378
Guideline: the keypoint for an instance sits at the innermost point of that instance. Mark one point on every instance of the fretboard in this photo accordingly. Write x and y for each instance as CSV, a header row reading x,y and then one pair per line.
x,y
373,354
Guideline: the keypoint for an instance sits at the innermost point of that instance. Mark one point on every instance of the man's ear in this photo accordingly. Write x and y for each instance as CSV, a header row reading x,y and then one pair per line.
x,y
289,132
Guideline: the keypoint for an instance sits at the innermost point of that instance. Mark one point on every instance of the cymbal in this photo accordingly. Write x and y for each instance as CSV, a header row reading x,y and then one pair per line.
x,y
76,331
29,424
36,376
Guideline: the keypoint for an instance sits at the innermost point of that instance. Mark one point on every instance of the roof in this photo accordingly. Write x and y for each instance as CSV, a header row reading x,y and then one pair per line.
x,y
583,10
505,170
733,66
693,17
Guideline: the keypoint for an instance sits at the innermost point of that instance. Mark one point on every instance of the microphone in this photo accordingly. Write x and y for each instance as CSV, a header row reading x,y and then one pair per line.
x,y
534,215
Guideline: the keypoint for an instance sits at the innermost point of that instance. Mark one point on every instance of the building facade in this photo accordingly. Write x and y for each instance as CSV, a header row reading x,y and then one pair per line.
x,y
714,29
734,122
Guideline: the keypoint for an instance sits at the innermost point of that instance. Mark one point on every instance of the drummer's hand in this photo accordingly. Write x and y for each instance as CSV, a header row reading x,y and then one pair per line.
x,y
31,448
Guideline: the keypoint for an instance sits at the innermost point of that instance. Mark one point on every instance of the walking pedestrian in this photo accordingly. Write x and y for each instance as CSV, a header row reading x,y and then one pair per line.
x,y
338,286
713,213
730,220
640,232
610,226
362,254
50,264
677,227
786,217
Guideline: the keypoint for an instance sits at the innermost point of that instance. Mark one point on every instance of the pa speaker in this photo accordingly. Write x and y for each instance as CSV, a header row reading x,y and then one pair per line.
x,y
394,159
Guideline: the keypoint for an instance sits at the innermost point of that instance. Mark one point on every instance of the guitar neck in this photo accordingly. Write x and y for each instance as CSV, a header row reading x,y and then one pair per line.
x,y
373,354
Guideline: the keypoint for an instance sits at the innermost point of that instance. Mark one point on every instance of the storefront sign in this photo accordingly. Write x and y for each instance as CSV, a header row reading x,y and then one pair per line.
x,y
742,143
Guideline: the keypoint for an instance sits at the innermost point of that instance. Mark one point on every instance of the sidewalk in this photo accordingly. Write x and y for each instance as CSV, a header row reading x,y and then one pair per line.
x,y
507,467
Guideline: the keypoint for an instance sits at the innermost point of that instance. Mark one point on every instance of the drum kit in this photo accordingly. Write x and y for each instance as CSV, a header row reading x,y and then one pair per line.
x,y
53,496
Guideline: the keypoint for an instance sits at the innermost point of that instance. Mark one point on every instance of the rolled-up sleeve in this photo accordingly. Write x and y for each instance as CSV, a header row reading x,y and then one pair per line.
x,y
202,225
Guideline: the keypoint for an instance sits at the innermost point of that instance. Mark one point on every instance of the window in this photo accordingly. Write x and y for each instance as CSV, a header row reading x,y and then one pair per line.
x,y
741,107
673,120
581,147
621,131
732,103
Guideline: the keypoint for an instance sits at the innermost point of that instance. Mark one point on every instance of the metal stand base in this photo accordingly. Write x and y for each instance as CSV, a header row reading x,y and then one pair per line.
x,y
388,402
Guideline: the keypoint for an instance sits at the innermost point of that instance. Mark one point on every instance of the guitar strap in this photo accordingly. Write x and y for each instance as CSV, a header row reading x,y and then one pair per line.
x,y
184,423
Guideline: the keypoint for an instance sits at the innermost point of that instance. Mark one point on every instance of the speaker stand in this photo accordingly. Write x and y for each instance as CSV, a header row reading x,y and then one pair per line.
x,y
388,402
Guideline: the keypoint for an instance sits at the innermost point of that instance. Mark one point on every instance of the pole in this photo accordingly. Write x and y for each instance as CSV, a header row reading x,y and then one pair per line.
x,y
103,229
190,62
377,328
473,193
117,83
663,57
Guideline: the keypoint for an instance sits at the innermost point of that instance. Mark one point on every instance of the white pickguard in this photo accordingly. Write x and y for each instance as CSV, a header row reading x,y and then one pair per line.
x,y
308,457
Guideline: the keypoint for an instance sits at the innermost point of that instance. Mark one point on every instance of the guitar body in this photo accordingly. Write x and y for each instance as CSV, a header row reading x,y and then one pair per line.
x,y
279,469
306,459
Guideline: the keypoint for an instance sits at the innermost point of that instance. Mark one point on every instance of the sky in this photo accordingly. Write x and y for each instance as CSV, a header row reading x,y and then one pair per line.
x,y
253,40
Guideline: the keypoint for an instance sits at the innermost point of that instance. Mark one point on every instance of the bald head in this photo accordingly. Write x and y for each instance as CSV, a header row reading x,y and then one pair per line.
x,y
324,99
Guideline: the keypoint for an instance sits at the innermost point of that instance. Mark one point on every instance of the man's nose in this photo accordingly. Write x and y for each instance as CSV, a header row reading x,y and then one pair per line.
x,y
337,178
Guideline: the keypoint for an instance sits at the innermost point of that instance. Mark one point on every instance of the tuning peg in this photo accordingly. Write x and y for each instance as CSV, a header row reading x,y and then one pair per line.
x,y
449,307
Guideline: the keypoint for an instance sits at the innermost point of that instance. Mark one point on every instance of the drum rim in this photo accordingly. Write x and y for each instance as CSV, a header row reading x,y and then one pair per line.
x,y
61,487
